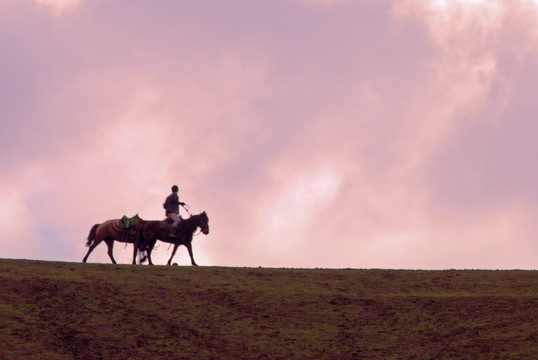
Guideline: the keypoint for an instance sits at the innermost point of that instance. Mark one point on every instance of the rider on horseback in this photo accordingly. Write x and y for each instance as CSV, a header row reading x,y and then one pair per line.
x,y
171,206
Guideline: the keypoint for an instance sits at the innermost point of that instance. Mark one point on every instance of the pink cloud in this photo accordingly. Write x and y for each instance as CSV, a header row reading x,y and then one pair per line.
x,y
333,134
58,7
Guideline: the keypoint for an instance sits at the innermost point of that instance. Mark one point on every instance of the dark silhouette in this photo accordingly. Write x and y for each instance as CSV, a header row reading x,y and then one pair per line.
x,y
171,209
113,230
151,231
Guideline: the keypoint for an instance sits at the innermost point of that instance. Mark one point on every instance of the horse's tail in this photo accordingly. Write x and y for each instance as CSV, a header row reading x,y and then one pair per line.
x,y
91,236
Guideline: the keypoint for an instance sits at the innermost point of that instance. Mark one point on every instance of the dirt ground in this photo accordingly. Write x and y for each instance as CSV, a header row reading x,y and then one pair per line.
x,y
51,310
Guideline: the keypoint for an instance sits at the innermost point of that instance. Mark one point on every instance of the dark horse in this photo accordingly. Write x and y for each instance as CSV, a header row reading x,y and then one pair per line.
x,y
108,232
152,231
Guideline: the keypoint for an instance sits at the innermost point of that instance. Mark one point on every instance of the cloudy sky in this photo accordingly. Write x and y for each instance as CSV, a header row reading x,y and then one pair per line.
x,y
314,133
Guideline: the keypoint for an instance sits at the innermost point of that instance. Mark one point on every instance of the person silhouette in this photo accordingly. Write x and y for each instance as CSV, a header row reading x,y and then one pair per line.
x,y
171,207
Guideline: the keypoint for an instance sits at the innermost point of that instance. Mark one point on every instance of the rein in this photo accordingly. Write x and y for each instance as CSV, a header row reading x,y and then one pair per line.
x,y
187,207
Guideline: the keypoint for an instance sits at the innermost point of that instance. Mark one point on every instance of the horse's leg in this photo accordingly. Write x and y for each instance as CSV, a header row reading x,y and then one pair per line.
x,y
92,246
110,244
150,249
135,250
189,247
173,253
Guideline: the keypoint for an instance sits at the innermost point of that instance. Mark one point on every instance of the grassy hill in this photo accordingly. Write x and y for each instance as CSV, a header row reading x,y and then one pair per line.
x,y
54,310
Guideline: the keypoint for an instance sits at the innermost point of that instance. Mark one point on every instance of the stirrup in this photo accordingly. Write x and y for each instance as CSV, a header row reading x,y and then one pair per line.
x,y
171,234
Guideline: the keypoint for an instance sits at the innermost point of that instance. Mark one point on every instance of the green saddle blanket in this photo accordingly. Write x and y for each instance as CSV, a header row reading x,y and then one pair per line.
x,y
130,222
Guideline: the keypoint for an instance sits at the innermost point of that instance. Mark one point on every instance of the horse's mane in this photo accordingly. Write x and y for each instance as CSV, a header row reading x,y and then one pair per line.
x,y
190,222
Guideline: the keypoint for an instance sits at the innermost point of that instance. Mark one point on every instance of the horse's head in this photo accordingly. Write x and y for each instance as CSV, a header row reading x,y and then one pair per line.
x,y
204,223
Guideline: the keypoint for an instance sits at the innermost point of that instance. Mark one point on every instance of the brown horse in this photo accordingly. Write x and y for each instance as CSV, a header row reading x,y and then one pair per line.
x,y
108,232
152,231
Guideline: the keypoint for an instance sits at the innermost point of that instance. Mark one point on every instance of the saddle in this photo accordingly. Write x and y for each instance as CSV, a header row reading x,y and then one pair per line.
x,y
126,223
166,223
130,222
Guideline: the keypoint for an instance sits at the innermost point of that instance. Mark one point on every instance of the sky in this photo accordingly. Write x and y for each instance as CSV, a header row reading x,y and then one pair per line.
x,y
395,134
